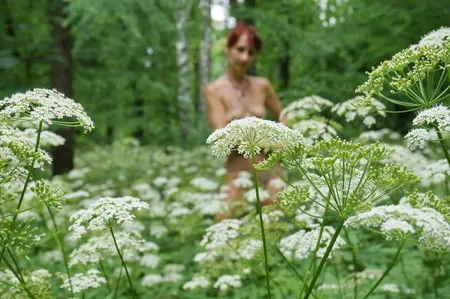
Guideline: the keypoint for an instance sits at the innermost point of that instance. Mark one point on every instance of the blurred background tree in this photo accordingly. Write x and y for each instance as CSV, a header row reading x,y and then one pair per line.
x,y
126,65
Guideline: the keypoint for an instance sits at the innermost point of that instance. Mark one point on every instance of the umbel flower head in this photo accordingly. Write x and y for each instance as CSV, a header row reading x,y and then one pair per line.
x,y
250,135
45,105
305,107
104,212
424,64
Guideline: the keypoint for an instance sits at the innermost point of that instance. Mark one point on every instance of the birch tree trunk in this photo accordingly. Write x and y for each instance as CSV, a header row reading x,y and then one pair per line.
x,y
182,12
205,50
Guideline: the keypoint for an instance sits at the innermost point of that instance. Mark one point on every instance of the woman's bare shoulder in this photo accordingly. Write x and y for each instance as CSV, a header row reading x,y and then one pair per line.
x,y
260,81
214,86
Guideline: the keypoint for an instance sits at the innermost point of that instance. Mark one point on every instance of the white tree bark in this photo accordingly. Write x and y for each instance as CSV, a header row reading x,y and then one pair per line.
x,y
184,89
205,49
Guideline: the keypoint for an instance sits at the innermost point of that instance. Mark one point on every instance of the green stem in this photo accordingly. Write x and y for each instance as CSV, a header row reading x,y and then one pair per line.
x,y
22,194
60,245
261,223
123,261
102,267
324,259
443,145
353,249
314,253
118,282
18,274
389,268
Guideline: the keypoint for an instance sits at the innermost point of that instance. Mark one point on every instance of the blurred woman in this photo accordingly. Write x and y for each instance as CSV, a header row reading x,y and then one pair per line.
x,y
235,95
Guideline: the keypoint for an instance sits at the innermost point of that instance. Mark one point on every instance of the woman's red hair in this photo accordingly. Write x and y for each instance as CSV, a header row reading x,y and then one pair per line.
x,y
241,29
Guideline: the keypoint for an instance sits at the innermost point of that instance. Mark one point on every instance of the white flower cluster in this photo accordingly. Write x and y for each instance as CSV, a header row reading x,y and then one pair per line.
x,y
379,135
197,282
300,244
225,282
84,281
360,107
250,195
250,135
220,233
400,221
434,172
243,180
146,192
204,184
314,130
305,107
171,274
438,116
249,248
44,105
435,37
150,260
19,150
102,212
97,247
418,138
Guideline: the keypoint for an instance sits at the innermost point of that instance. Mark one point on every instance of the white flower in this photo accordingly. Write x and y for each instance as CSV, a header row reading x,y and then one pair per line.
x,y
250,195
44,105
218,234
150,260
103,211
430,226
304,107
173,268
314,130
359,106
379,135
84,281
437,116
225,282
197,282
277,183
418,138
151,279
96,248
300,244
158,230
249,248
250,135
204,184
436,37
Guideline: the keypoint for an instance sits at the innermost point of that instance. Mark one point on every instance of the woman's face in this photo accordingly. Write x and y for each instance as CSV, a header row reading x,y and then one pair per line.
x,y
241,55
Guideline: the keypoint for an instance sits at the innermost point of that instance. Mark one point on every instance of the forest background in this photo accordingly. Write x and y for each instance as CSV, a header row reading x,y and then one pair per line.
x,y
138,66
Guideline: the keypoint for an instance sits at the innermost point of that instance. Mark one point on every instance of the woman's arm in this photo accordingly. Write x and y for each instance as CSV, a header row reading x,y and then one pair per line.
x,y
215,109
272,103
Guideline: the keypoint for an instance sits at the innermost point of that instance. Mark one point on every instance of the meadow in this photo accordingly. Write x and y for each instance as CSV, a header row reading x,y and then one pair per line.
x,y
359,217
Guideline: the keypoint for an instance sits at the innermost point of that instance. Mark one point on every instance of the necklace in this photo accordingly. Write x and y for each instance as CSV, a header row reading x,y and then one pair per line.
x,y
240,90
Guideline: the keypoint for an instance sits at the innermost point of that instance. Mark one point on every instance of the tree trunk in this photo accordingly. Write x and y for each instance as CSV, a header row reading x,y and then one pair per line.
x,y
61,78
205,49
285,59
184,89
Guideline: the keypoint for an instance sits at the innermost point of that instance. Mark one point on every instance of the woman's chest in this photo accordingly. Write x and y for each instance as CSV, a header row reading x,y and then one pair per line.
x,y
240,104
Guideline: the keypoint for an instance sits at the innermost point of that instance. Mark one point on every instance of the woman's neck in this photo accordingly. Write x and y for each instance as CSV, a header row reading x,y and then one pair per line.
x,y
237,77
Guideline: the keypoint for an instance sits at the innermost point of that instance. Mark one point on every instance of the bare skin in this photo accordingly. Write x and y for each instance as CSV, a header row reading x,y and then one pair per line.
x,y
235,95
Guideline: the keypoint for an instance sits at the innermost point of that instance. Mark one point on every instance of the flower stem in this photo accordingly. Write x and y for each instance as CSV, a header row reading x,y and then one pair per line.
x,y
261,223
60,246
22,194
324,259
388,269
123,261
102,267
443,145
18,274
